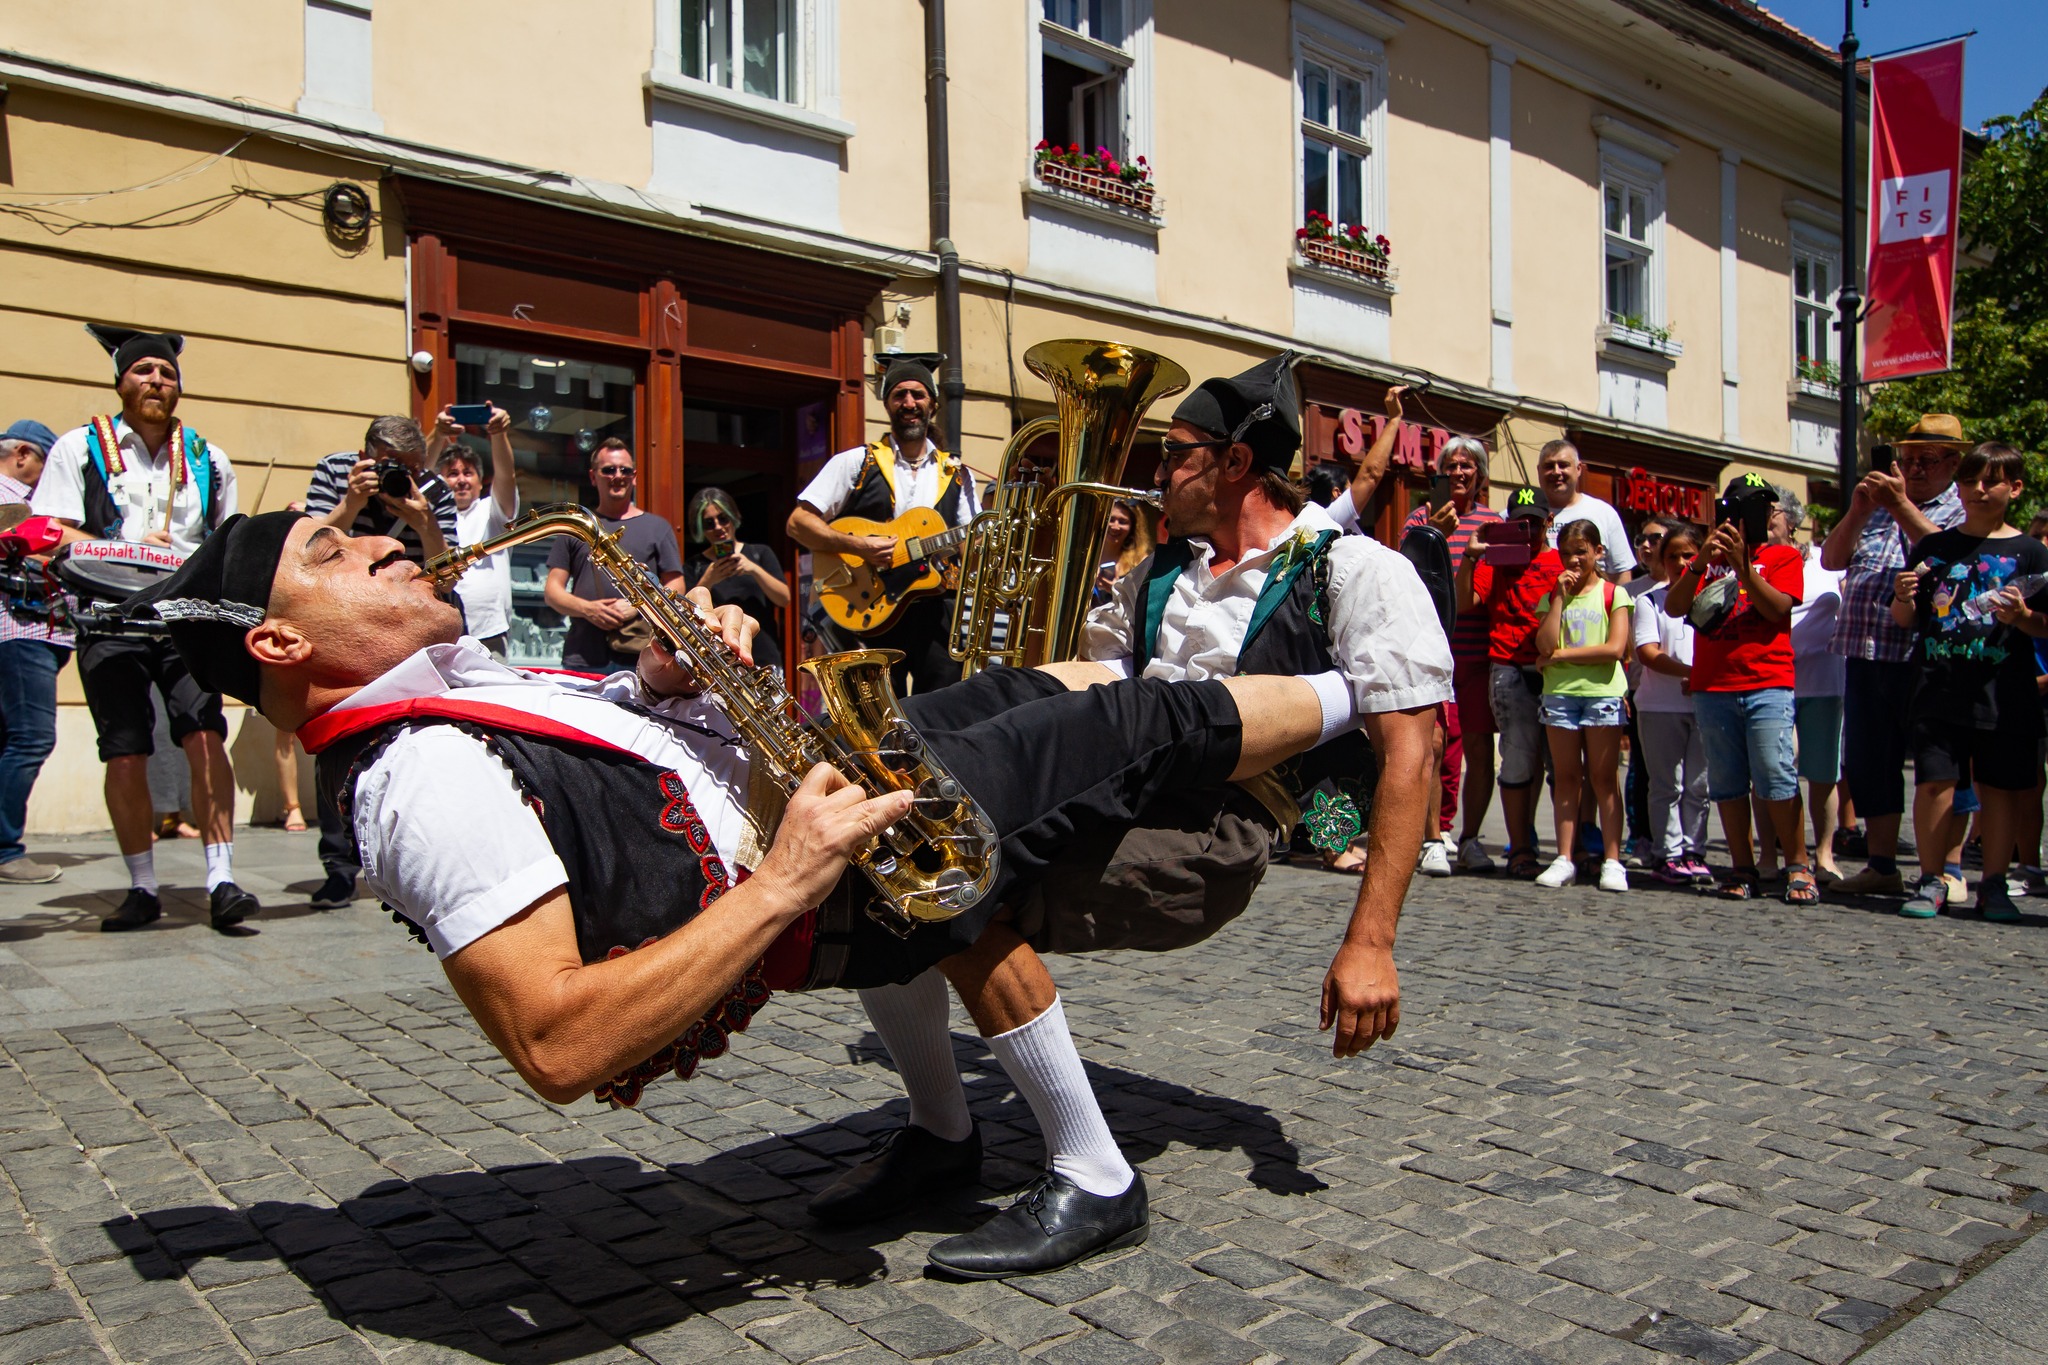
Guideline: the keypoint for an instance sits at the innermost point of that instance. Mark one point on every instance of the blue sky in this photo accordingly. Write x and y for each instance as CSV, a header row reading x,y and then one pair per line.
x,y
2004,67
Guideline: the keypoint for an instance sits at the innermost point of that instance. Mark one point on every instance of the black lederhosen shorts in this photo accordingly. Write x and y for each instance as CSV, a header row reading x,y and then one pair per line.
x,y
1051,768
117,671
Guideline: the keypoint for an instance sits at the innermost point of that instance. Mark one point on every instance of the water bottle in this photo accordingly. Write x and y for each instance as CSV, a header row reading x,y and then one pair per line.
x,y
1981,608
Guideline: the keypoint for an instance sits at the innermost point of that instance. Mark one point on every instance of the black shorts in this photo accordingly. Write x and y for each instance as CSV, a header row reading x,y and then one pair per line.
x,y
1947,752
117,672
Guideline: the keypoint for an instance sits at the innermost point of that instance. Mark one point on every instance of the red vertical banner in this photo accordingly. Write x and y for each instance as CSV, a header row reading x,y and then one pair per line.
x,y
1916,172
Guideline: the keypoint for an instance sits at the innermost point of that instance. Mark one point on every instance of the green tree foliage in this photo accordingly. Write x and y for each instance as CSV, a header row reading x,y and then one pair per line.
x,y
1999,386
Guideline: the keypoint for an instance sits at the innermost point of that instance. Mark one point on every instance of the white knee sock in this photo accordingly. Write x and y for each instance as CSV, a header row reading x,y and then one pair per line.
x,y
1046,1070
220,864
911,1022
141,870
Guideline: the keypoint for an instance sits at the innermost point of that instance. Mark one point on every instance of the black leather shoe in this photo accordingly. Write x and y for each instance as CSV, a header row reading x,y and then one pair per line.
x,y
231,905
910,1165
1052,1225
338,890
141,907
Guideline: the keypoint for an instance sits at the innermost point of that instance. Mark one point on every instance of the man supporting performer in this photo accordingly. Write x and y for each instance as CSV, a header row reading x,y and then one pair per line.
x,y
880,482
145,476
598,916
1254,582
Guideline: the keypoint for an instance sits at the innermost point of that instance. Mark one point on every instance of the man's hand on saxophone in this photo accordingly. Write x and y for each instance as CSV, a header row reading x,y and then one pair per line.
x,y
662,676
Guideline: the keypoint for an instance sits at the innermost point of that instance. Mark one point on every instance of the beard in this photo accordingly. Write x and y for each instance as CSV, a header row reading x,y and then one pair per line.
x,y
910,430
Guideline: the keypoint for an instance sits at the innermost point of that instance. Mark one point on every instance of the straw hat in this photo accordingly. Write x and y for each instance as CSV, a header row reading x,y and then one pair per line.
x,y
1935,429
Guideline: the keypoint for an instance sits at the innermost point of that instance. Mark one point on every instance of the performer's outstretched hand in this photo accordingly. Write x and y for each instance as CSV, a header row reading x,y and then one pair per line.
x,y
1362,997
662,676
827,822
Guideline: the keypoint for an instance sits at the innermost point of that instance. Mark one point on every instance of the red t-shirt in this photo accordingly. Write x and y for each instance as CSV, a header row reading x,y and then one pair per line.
x,y
1511,595
1746,652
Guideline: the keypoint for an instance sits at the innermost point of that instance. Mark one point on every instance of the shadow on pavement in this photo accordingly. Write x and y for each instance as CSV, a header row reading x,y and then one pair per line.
x,y
551,1261
80,912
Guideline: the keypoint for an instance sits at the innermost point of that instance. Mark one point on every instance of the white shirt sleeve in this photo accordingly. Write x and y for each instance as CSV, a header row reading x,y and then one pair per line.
x,y
448,840
1614,549
1109,635
829,491
1647,630
1343,510
61,491
1387,638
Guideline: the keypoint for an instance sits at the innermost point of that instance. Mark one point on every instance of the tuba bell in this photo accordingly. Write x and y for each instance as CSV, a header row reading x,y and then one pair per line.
x,y
1030,562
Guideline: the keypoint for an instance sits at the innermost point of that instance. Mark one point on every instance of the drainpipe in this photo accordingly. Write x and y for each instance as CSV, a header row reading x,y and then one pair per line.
x,y
938,152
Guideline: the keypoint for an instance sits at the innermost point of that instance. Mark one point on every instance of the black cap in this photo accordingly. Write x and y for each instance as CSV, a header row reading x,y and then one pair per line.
x,y
905,370
1524,502
127,345
217,596
1258,407
1744,486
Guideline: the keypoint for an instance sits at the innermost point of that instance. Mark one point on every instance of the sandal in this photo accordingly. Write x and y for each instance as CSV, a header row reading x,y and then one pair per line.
x,y
1800,886
1523,865
1740,884
295,820
1335,862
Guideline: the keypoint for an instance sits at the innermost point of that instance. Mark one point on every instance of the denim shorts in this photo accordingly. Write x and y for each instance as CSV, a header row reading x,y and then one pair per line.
x,y
1749,743
1521,732
1581,713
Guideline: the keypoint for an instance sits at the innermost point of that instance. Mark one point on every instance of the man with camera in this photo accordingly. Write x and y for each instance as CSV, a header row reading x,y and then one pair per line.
x,y
142,475
383,489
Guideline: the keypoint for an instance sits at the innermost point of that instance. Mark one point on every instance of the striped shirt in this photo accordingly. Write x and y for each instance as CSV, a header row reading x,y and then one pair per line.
x,y
1469,635
1864,628
329,487
12,627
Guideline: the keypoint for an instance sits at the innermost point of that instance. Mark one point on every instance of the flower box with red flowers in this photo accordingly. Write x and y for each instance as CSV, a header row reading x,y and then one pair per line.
x,y
1098,174
1344,246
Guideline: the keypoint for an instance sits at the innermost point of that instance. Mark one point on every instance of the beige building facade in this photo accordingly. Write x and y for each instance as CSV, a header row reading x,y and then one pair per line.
x,y
697,224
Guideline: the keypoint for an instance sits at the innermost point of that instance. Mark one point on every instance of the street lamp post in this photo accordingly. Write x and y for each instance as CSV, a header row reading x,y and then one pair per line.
x,y
1850,300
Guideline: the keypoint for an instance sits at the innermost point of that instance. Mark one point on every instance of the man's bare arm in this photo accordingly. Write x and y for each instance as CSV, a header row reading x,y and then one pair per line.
x,y
1362,990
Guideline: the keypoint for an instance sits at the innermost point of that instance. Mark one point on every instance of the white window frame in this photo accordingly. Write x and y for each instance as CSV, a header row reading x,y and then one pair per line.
x,y
814,106
1352,52
1627,170
1813,246
1132,58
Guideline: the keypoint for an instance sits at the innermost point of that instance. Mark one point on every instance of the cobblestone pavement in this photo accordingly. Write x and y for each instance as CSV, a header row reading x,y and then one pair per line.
x,y
1611,1129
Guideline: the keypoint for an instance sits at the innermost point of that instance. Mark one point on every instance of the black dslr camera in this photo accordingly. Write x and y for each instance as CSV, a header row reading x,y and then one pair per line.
x,y
394,480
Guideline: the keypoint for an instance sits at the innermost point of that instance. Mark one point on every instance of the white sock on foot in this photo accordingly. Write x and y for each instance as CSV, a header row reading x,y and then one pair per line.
x,y
220,864
911,1022
1046,1070
141,870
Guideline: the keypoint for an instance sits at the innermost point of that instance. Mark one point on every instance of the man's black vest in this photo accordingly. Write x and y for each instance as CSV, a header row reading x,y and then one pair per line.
x,y
103,515
874,497
639,859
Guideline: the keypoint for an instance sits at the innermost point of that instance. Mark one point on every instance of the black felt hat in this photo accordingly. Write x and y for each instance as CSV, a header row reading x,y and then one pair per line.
x,y
218,595
1258,407
128,345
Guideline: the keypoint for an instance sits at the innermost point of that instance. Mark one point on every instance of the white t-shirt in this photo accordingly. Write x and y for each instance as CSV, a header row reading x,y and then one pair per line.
x,y
1816,671
446,837
917,485
139,493
1615,555
1673,634
1387,639
486,587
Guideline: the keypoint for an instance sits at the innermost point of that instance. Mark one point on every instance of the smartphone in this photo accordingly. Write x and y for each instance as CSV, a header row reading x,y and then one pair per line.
x,y
1753,515
720,549
471,414
1439,492
1881,459
1512,542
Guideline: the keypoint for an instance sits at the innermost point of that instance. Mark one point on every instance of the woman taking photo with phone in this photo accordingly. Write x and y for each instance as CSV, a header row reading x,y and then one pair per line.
x,y
746,576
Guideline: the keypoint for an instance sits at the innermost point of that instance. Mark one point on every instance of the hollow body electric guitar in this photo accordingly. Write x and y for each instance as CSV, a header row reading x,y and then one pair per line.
x,y
867,600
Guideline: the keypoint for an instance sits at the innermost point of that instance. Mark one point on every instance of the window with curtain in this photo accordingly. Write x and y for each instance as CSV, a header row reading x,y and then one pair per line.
x,y
745,45
1632,227
1336,104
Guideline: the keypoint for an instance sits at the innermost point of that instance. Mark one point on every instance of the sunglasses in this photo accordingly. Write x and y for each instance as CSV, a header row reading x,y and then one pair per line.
x,y
617,471
1650,538
717,519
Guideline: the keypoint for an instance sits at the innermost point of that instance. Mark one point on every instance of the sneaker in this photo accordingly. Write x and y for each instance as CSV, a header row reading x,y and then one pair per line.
x,y
26,871
1994,901
1613,876
338,890
1871,882
1695,871
1450,843
1640,857
1472,857
2032,881
1561,872
1672,872
1958,889
1434,862
1928,901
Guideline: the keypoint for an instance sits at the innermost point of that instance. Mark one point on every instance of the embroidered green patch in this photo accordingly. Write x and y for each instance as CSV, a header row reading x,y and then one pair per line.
x,y
1333,821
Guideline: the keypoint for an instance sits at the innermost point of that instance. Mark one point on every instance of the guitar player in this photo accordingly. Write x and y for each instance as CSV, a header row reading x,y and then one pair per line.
x,y
880,482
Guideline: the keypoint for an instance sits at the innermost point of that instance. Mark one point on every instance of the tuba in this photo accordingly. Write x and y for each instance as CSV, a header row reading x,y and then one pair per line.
x,y
1102,390
936,862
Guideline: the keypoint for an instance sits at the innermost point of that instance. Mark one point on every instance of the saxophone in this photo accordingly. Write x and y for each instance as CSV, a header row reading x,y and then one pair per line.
x,y
933,864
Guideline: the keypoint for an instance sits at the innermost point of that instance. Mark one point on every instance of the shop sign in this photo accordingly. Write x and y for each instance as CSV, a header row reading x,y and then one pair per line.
x,y
1637,491
1416,447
